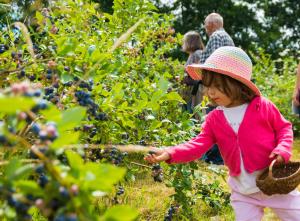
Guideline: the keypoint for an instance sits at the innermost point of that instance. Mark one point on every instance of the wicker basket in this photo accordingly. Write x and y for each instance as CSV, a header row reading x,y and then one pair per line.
x,y
279,178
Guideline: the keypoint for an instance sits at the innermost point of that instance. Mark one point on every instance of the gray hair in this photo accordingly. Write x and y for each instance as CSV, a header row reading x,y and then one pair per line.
x,y
192,41
215,18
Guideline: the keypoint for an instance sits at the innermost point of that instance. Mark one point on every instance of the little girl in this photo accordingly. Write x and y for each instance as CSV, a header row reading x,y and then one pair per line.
x,y
249,130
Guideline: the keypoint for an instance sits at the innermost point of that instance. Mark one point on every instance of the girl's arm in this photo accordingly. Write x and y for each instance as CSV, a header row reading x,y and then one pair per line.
x,y
283,133
185,152
297,86
194,148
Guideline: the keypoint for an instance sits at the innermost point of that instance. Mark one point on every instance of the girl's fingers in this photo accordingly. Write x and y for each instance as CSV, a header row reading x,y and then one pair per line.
x,y
279,159
152,158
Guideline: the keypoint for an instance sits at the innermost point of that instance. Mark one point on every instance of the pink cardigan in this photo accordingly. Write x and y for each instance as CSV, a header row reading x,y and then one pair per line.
x,y
263,131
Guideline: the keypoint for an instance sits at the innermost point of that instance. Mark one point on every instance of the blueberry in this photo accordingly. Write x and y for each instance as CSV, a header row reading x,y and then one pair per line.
x,y
2,139
35,128
42,105
40,169
67,68
49,76
43,135
49,90
37,93
43,180
101,116
32,77
12,201
13,54
64,192
2,50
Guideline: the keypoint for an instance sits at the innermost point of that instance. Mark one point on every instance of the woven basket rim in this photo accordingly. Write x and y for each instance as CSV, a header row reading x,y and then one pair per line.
x,y
266,170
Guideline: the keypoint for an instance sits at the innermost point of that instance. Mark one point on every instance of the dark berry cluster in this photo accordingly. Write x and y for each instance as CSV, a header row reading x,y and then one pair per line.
x,y
21,203
21,207
157,173
51,206
45,132
25,89
3,48
94,154
171,211
114,155
120,191
86,99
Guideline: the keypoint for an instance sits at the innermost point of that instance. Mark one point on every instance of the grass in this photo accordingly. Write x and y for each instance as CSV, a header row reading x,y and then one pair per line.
x,y
152,199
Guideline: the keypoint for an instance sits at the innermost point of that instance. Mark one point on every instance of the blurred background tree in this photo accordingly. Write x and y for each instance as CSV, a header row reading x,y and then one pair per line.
x,y
272,25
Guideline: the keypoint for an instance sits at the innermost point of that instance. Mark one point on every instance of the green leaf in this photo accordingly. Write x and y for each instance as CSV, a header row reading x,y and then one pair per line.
x,y
22,172
10,105
39,18
101,176
157,96
74,159
174,96
15,171
72,137
155,124
66,46
66,78
11,167
29,187
163,84
120,213
117,91
71,118
52,114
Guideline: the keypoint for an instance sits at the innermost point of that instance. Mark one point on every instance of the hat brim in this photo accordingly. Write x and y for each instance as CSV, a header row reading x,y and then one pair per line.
x,y
195,72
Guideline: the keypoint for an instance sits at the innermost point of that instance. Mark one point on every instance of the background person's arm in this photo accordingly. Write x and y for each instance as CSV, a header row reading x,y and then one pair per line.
x,y
297,86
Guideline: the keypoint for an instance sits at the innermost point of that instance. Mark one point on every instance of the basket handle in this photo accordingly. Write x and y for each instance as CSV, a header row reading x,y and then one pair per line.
x,y
271,168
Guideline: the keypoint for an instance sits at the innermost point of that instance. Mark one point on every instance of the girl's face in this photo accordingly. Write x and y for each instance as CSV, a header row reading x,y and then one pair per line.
x,y
221,98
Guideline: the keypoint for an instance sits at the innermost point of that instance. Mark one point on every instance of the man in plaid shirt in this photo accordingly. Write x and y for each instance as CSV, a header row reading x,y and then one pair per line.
x,y
218,37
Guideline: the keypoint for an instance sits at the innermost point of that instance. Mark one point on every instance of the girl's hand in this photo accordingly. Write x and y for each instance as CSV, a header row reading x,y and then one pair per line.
x,y
157,155
279,158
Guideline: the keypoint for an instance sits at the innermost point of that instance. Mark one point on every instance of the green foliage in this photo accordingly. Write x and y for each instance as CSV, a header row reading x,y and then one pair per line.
x,y
276,80
117,213
11,104
108,72
110,81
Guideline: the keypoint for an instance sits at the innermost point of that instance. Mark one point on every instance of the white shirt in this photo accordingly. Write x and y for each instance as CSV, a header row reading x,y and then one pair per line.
x,y
245,183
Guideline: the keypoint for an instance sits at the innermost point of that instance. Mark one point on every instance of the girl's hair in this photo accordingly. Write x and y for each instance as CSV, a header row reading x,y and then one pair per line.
x,y
192,41
233,89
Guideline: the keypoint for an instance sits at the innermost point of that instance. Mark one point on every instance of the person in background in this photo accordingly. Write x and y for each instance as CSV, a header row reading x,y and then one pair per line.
x,y
192,45
296,93
249,129
218,37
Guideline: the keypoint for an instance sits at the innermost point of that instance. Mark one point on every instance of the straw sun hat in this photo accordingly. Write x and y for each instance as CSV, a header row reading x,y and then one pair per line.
x,y
227,60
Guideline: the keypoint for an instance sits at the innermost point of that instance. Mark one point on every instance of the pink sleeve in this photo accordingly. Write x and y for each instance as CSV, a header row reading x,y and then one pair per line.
x,y
283,132
194,148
